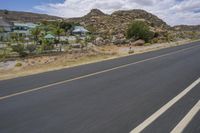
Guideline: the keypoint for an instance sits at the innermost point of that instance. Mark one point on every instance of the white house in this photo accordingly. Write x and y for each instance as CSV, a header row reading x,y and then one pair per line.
x,y
79,30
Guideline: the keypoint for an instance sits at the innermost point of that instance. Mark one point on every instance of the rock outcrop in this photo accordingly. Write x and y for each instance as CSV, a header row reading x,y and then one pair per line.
x,y
117,23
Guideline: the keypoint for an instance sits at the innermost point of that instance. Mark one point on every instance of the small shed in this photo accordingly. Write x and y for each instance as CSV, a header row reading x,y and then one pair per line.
x,y
49,36
79,30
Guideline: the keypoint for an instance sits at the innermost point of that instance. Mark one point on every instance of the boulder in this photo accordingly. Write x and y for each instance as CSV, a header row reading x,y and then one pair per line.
x,y
107,41
99,41
138,43
120,36
119,41
76,45
114,38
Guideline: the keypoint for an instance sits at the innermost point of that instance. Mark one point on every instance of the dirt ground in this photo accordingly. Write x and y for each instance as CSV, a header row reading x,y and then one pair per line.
x,y
34,65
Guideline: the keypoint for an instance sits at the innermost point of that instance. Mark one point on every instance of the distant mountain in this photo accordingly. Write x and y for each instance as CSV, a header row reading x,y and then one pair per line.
x,y
98,22
25,16
187,28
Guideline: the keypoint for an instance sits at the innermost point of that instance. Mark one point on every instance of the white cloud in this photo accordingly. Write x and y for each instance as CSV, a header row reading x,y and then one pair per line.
x,y
172,11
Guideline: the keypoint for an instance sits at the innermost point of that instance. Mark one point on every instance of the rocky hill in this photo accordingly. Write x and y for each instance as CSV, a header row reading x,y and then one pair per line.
x,y
25,16
108,26
118,22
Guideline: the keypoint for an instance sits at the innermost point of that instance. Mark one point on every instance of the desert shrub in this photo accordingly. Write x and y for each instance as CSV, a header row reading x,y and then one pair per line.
x,y
147,44
19,48
18,64
92,29
131,52
31,48
90,38
65,42
139,30
155,40
2,56
46,45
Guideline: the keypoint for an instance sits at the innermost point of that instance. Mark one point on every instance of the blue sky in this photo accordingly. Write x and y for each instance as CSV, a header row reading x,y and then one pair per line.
x,y
25,5
174,12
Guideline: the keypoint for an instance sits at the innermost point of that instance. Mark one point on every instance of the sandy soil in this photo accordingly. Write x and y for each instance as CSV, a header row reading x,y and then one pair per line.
x,y
40,64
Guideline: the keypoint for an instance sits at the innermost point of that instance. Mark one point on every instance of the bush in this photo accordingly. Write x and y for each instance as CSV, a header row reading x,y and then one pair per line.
x,y
155,40
131,52
139,30
65,42
19,48
18,64
147,44
46,45
6,12
31,48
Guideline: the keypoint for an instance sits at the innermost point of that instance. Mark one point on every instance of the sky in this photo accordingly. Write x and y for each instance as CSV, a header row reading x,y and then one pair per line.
x,y
174,12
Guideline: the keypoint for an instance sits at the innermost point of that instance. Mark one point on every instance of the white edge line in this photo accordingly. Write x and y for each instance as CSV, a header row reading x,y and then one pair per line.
x,y
187,119
92,74
164,108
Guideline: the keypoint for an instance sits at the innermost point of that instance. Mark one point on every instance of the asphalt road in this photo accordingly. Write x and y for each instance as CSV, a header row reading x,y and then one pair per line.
x,y
114,96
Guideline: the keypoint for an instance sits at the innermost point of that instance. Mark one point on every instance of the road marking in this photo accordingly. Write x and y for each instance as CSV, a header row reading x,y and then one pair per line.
x,y
164,108
92,74
187,119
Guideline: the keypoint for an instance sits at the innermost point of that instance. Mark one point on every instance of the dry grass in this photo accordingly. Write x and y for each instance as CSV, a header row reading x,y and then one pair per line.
x,y
59,62
50,63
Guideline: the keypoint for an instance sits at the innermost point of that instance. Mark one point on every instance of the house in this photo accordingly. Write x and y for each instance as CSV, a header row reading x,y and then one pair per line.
x,y
23,28
5,28
71,38
79,30
49,37
63,38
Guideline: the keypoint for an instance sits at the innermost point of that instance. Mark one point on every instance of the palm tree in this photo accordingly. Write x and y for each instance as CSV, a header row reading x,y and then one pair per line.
x,y
58,31
36,33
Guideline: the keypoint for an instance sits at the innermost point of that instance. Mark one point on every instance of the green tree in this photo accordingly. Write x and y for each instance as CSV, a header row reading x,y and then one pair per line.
x,y
1,33
58,32
46,45
36,34
139,30
65,26
6,12
14,37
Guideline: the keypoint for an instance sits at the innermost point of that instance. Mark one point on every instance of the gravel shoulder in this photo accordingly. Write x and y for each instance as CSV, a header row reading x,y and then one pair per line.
x,y
34,65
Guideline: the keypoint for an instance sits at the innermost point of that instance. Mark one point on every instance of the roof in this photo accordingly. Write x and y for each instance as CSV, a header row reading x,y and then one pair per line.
x,y
29,25
3,23
49,36
78,29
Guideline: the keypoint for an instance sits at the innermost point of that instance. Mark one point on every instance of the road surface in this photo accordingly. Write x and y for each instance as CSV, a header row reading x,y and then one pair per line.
x,y
152,92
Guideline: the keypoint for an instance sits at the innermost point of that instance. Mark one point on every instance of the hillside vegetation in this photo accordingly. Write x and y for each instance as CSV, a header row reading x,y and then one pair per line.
x,y
113,28
118,22
25,16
